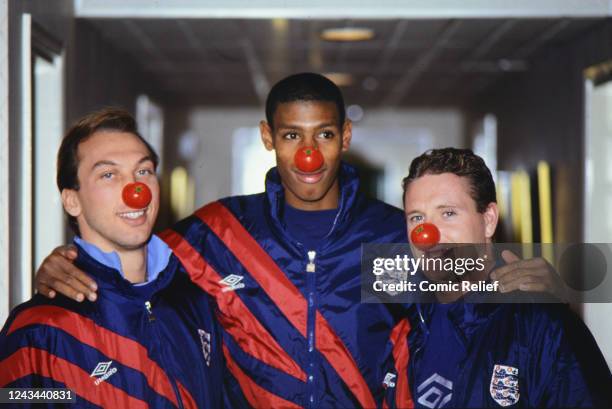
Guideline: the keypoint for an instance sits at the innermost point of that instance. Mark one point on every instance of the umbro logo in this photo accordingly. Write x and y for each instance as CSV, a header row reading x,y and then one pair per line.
x,y
435,392
103,371
389,381
232,282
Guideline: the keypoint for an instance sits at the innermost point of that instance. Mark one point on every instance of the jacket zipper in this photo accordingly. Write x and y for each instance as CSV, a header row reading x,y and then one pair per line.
x,y
414,361
310,282
152,319
149,312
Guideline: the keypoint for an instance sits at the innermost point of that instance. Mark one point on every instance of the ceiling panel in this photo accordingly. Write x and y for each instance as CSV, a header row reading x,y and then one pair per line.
x,y
441,61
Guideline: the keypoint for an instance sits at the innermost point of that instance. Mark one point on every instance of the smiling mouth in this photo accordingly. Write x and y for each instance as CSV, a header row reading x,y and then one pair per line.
x,y
133,215
310,177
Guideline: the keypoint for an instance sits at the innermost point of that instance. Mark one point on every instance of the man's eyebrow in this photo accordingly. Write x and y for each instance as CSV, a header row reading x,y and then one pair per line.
x,y
147,158
287,126
103,163
442,206
99,163
293,126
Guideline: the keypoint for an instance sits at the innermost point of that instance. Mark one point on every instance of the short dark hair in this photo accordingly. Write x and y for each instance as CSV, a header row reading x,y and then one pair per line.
x,y
306,86
461,162
108,119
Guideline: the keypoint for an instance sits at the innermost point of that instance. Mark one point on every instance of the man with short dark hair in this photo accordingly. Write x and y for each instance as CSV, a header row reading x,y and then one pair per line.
x,y
284,268
470,354
151,340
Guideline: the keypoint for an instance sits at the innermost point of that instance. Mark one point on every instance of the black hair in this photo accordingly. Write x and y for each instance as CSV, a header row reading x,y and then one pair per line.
x,y
306,86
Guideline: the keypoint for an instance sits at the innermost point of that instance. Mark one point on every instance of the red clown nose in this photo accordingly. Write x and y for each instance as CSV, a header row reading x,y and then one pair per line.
x,y
308,159
425,236
136,195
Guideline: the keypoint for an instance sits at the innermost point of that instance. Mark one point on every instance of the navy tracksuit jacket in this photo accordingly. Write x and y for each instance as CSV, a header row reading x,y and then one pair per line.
x,y
294,331
524,355
158,348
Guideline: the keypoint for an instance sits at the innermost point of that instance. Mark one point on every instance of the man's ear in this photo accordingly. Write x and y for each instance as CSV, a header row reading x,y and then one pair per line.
x,y
71,202
491,217
347,134
266,135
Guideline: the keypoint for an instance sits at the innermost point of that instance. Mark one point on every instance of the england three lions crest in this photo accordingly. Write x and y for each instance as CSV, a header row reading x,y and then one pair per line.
x,y
504,386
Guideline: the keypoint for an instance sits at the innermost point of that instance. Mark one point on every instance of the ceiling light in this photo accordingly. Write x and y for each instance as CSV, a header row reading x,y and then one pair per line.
x,y
347,34
280,24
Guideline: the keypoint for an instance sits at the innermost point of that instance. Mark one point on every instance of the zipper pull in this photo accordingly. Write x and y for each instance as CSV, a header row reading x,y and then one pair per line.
x,y
310,267
149,311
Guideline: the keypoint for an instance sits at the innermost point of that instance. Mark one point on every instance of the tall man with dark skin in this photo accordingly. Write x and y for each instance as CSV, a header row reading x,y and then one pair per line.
x,y
308,123
284,268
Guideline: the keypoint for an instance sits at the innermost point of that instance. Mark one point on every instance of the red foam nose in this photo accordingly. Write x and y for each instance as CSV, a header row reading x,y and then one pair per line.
x,y
136,195
425,236
308,159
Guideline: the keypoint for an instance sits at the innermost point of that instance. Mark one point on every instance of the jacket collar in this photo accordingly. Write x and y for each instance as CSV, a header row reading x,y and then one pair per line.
x,y
465,316
471,309
111,280
348,181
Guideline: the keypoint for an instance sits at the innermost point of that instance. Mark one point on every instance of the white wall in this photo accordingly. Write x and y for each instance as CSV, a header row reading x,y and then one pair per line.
x,y
212,167
4,168
56,19
48,110
390,139
598,199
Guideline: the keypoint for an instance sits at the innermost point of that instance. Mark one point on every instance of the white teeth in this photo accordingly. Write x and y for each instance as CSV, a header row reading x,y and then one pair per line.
x,y
132,215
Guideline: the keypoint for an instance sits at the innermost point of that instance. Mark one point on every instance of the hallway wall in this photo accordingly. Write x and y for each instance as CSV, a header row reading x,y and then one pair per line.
x,y
540,116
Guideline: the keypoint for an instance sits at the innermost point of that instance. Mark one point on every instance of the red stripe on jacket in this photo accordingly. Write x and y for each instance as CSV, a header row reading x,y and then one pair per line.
x,y
257,396
117,347
340,358
235,317
186,398
33,361
285,295
401,355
